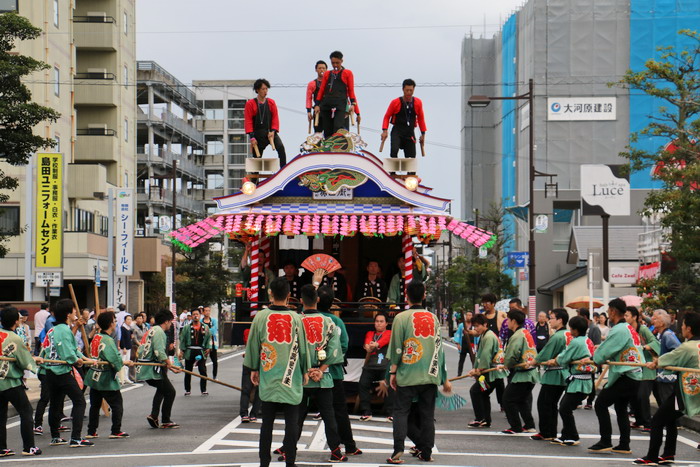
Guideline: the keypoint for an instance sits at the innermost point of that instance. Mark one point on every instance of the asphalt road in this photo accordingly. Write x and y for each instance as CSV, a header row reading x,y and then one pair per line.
x,y
211,434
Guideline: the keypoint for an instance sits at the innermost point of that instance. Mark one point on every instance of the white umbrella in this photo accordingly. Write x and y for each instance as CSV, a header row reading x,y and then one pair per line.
x,y
502,305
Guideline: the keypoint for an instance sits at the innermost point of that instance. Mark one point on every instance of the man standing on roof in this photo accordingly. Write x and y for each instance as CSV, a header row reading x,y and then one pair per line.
x,y
312,90
405,113
262,122
337,87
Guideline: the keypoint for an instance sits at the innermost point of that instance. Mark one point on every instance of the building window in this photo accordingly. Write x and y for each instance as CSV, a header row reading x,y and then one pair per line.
x,y
126,76
215,180
55,13
8,5
56,81
235,114
214,143
9,220
213,110
126,129
235,177
126,24
237,148
565,217
57,146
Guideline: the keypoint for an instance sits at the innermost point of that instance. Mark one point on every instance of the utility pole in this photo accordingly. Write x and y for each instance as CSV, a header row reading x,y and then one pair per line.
x,y
172,228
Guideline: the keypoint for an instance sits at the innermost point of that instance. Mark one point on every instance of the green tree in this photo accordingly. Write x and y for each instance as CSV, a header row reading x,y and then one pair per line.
x,y
202,278
18,115
674,79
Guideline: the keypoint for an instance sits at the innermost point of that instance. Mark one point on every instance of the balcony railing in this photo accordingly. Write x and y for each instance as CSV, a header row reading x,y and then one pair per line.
x,y
96,89
95,32
175,123
94,19
651,244
183,91
165,157
96,144
185,202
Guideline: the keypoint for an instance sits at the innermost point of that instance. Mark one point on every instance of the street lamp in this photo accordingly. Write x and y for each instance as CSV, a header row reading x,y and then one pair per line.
x,y
484,101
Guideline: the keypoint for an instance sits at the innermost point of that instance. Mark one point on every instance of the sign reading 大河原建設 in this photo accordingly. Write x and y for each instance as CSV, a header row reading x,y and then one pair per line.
x,y
49,210
604,190
581,108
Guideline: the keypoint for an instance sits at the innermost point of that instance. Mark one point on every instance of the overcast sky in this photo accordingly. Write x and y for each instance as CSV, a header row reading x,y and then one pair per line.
x,y
383,42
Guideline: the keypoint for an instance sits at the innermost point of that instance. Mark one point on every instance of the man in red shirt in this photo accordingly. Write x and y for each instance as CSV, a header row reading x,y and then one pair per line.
x,y
405,113
312,90
337,88
376,344
262,122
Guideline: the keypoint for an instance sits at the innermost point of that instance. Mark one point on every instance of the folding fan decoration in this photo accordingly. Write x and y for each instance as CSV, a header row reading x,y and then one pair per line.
x,y
318,261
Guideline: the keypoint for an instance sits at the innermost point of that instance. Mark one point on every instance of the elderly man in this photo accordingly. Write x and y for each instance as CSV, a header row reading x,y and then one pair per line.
x,y
541,330
665,380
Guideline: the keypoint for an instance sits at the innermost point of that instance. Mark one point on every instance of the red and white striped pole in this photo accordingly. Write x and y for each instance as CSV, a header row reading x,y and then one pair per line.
x,y
408,262
265,247
254,275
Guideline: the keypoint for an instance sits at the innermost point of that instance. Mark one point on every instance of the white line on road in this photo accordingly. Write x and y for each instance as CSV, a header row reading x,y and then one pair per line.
x,y
319,440
218,436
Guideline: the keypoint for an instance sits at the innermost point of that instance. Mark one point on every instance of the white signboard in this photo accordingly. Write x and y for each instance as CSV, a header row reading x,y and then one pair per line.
x,y
121,290
125,232
581,108
623,275
169,282
343,193
604,191
49,279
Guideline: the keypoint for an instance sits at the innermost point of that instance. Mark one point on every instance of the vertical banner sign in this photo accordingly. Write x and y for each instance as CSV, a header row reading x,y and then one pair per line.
x,y
169,282
49,210
125,232
120,290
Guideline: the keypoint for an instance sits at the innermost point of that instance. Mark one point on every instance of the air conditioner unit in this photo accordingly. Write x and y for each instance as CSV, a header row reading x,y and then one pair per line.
x,y
97,73
97,15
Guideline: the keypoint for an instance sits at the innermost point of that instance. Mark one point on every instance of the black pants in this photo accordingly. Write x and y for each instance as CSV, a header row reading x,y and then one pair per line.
x,y
547,403
663,391
568,404
214,363
466,350
60,386
481,400
426,412
43,402
37,346
403,138
263,142
340,407
165,395
365,385
246,389
665,417
201,366
619,394
517,401
291,431
640,403
114,399
324,403
17,396
333,120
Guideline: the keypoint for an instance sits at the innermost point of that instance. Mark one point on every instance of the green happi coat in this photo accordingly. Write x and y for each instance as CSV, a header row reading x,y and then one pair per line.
x,y
648,338
489,354
554,376
416,348
61,346
621,345
154,349
336,370
104,377
579,348
11,373
687,355
186,340
321,332
276,349
521,349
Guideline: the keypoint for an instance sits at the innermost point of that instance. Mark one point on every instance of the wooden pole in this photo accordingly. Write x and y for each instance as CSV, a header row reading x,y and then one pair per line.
x,y
601,377
352,118
316,118
257,151
86,343
211,379
271,139
309,126
422,149
97,301
381,146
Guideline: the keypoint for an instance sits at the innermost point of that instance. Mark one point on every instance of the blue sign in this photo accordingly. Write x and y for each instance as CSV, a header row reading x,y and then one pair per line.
x,y
98,280
517,259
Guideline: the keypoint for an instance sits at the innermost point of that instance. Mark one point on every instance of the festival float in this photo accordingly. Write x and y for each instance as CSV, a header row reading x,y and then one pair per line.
x,y
344,201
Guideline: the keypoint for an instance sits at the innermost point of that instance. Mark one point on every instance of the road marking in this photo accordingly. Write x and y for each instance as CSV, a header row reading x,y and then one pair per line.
x,y
682,439
319,439
218,436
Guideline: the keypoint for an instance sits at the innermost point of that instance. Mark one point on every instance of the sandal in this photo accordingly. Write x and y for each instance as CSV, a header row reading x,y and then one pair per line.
x,y
395,458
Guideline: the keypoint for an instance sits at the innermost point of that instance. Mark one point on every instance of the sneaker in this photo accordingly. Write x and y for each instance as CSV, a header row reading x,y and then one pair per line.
x,y
205,393
664,460
510,431
644,461
91,435
153,421
317,416
119,435
588,407
620,449
38,430
365,418
356,452
188,393
337,456
395,458
80,443
6,452
57,441
600,447
540,437
245,419
570,442
558,441
170,425
35,451
63,428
